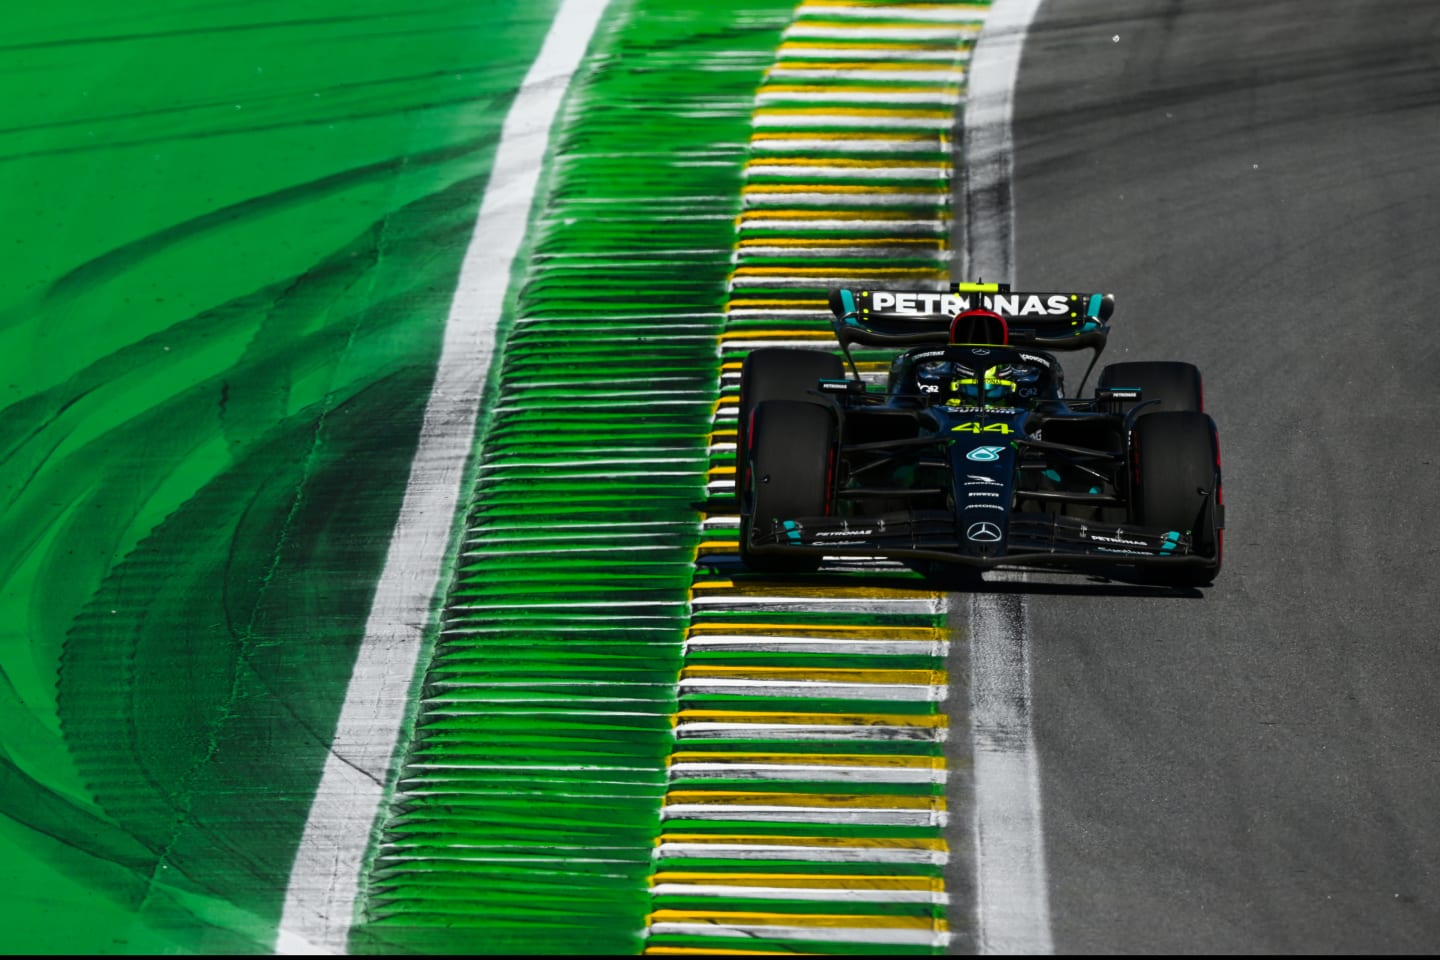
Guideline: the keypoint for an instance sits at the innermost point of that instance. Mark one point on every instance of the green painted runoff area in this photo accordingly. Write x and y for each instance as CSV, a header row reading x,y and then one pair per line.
x,y
230,232
231,235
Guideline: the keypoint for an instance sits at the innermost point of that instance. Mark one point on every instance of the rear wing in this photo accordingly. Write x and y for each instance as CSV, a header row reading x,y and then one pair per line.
x,y
904,318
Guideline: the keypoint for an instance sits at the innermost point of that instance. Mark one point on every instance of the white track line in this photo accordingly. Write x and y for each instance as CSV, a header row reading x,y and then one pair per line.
x,y
989,246
1012,888
320,901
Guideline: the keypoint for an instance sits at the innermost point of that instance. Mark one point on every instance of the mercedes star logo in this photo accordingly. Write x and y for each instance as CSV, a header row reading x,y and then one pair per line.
x,y
984,532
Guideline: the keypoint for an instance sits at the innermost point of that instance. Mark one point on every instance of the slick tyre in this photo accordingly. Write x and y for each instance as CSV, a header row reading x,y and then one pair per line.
x,y
1176,385
1175,464
792,456
777,373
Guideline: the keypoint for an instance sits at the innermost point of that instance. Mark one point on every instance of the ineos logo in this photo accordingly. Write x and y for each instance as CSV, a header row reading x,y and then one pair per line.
x,y
983,532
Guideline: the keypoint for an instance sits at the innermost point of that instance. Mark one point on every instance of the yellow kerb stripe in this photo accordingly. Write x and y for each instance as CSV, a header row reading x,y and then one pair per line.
x,y
726,798
928,66
980,9
848,164
881,22
808,759
857,271
813,45
879,113
777,335
836,719
858,88
858,631
874,633
715,951
934,243
836,881
835,675
938,137
836,188
840,593
797,303
869,843
761,589
813,214
824,920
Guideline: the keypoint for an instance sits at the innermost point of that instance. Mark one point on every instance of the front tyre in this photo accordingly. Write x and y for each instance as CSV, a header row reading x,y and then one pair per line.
x,y
790,475
777,373
1175,469
1177,386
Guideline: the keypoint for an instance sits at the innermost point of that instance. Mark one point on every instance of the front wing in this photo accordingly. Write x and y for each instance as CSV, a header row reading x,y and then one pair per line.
x,y
1030,538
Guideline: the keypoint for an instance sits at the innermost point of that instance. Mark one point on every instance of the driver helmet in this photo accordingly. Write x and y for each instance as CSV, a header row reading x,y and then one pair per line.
x,y
997,385
962,386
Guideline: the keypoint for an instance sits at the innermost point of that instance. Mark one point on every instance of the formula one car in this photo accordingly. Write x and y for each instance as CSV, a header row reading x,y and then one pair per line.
x,y
971,453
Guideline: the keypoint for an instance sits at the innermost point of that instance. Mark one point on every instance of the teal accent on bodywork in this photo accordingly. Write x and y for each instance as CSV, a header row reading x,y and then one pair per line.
x,y
1094,489
792,530
1052,474
848,299
1172,540
1094,309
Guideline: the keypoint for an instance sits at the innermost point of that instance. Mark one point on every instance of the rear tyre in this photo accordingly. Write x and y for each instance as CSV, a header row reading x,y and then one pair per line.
x,y
777,373
1176,385
1175,463
792,449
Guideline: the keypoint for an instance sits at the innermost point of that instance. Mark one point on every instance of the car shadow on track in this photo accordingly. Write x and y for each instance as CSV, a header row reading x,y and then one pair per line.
x,y
1119,581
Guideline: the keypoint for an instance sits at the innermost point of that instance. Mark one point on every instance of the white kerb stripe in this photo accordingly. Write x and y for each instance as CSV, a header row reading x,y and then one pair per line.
x,y
872,816
877,32
833,894
829,934
897,12
793,52
781,851
320,901
817,772
821,72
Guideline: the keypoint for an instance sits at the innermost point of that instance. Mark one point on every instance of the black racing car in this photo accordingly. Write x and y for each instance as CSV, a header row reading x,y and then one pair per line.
x,y
971,453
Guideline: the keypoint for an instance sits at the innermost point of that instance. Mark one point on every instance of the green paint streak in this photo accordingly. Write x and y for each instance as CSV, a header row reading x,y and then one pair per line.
x,y
619,307
231,234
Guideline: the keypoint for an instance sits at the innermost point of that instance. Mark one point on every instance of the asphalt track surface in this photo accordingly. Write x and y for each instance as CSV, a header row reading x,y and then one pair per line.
x,y
1252,768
